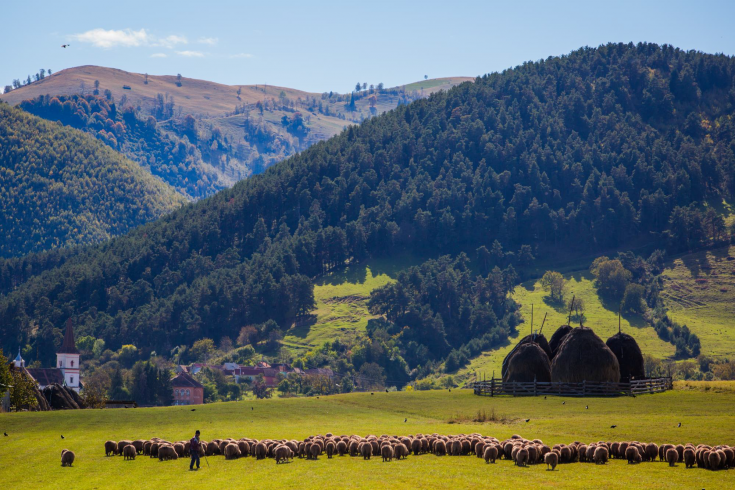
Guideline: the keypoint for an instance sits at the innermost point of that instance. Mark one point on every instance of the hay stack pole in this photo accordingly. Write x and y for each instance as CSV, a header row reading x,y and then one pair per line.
x,y
569,321
531,318
619,318
542,323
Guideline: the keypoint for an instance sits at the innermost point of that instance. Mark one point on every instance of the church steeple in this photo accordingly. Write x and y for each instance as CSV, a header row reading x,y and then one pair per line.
x,y
69,346
67,358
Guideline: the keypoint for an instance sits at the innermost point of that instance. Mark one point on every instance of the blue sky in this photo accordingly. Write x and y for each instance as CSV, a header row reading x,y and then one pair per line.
x,y
329,45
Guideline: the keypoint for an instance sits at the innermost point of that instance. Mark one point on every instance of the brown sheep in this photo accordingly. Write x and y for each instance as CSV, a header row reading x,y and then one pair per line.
x,y
551,459
67,457
672,456
341,448
401,451
480,449
533,453
491,453
138,445
260,451
730,456
147,448
440,447
723,458
614,447
330,449
651,451
353,448
110,448
282,454
166,453
129,452
232,451
522,457
416,446
179,448
387,453
713,460
631,453
315,451
601,455
153,453
465,447
366,450
212,448
565,455
689,458
680,449
244,448
121,445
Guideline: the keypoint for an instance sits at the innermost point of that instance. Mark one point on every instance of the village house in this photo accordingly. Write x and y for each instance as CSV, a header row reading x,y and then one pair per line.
x,y
187,390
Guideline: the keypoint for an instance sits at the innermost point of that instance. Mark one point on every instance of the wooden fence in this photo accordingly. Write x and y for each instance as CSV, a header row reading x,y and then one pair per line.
x,y
497,387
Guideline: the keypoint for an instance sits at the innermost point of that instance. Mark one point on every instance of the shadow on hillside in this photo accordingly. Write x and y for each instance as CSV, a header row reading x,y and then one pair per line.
x,y
634,319
354,273
302,326
695,262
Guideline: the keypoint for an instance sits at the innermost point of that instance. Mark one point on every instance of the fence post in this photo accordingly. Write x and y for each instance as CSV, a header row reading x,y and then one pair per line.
x,y
492,387
534,385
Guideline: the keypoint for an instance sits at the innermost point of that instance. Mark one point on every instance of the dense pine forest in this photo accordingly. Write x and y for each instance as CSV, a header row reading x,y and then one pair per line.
x,y
60,187
575,154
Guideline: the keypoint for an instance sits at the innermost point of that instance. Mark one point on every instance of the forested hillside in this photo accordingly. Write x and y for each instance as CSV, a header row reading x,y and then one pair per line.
x,y
60,187
576,154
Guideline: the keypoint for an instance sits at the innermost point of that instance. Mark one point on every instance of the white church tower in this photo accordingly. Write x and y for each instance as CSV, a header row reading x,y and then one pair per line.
x,y
67,359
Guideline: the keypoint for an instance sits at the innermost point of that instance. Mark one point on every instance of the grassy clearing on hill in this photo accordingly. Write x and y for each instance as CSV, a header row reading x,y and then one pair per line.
x,y
601,317
31,452
341,298
700,293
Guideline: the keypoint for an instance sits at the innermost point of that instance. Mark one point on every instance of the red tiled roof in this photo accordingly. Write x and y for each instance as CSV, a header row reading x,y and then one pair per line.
x,y
186,381
46,376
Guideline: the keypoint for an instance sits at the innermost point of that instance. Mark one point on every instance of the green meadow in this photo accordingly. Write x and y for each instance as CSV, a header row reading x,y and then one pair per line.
x,y
31,452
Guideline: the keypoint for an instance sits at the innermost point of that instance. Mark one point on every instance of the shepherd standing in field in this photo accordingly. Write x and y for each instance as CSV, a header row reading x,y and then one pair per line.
x,y
194,449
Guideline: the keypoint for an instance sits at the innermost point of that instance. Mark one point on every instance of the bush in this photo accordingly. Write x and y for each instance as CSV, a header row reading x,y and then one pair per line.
x,y
633,301
553,282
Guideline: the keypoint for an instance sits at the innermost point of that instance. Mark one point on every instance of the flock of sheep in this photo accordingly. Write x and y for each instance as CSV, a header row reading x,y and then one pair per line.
x,y
522,451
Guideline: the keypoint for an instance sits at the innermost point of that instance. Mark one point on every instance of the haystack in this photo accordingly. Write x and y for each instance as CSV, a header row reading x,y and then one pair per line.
x,y
583,356
629,356
528,363
535,338
557,339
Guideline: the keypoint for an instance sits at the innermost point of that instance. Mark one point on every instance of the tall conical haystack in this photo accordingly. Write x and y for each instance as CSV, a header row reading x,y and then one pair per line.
x,y
535,338
583,356
558,338
529,362
629,356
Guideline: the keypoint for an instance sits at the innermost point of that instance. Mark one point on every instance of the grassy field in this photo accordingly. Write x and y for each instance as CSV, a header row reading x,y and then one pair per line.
x,y
700,293
601,317
30,453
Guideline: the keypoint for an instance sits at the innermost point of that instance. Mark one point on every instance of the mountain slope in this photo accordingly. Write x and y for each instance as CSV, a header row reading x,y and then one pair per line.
x,y
235,130
578,154
60,187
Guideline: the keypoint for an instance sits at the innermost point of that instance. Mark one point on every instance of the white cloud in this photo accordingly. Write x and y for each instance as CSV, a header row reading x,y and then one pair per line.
x,y
191,54
159,55
241,55
103,38
171,41
208,40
